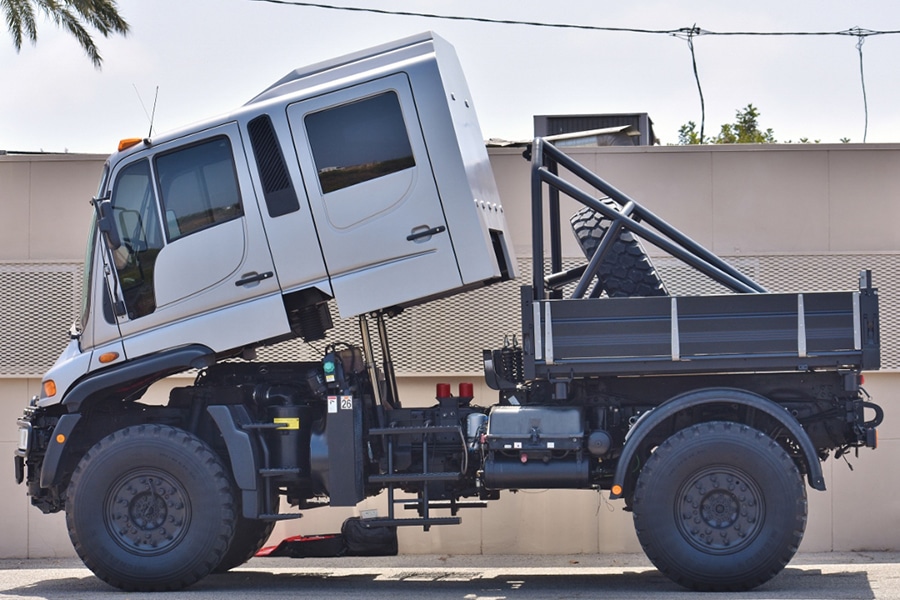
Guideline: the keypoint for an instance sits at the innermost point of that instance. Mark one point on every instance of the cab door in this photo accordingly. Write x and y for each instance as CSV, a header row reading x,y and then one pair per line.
x,y
371,190
194,252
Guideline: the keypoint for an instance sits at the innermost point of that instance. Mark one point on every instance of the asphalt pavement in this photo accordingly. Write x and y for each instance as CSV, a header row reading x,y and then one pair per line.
x,y
856,575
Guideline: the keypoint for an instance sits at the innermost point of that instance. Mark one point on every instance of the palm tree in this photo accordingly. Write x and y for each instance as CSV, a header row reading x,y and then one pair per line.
x,y
72,15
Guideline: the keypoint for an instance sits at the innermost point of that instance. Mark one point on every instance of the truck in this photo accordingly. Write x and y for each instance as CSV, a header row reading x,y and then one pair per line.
x,y
361,187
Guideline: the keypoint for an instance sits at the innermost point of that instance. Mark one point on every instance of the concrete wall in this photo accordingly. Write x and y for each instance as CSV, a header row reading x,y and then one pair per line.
x,y
45,207
743,199
776,201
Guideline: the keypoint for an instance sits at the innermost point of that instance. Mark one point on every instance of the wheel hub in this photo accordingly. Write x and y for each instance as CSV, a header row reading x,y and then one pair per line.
x,y
147,512
720,510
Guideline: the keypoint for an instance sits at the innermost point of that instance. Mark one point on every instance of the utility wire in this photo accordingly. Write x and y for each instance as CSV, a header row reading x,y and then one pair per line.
x,y
862,80
687,34
854,32
404,13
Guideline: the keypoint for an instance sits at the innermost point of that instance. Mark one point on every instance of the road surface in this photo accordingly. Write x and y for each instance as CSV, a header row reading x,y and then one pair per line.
x,y
857,575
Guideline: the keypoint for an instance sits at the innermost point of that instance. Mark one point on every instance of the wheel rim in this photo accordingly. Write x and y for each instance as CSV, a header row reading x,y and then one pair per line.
x,y
147,512
720,510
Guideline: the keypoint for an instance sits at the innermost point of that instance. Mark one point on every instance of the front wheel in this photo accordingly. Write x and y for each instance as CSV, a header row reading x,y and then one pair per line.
x,y
720,506
249,537
150,508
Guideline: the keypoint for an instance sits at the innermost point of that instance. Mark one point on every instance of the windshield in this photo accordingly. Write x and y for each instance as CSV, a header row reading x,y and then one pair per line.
x,y
101,188
88,266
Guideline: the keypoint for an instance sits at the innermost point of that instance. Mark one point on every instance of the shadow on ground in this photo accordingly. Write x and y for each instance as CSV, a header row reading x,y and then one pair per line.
x,y
437,584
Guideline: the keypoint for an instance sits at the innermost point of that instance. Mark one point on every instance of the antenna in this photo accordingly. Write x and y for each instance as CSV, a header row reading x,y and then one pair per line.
x,y
153,112
152,115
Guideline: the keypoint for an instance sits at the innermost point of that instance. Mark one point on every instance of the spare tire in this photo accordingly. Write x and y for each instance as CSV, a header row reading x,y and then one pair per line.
x,y
626,269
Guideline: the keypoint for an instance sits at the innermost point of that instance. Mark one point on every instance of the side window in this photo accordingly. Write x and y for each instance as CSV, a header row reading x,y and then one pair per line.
x,y
198,187
137,219
360,141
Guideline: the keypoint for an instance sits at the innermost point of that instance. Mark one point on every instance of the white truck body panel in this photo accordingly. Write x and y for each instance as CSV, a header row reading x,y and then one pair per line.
x,y
389,201
363,228
449,152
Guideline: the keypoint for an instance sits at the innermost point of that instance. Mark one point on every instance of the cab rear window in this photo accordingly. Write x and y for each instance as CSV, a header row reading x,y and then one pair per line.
x,y
358,142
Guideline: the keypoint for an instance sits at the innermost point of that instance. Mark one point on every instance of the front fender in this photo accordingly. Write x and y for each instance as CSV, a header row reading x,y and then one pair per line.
x,y
123,379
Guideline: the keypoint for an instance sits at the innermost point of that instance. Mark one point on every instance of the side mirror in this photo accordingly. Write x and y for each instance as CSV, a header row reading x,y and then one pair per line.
x,y
107,225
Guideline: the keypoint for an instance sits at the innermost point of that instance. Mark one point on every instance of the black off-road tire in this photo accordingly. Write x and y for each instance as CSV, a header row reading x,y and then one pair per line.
x,y
720,507
626,270
249,537
150,508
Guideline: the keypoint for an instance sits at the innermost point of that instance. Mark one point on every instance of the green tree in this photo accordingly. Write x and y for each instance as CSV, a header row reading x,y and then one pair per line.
x,y
744,130
688,134
75,16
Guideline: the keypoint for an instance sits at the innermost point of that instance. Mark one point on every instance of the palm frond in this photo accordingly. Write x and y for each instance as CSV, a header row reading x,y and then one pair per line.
x,y
102,15
67,20
19,16
75,16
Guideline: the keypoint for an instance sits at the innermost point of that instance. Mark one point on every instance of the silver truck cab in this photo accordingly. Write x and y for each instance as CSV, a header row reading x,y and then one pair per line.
x,y
363,179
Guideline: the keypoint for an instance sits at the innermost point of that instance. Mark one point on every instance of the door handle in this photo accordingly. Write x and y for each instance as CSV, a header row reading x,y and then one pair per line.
x,y
425,233
253,278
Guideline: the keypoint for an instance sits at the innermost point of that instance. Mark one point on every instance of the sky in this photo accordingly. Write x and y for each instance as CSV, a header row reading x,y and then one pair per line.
x,y
207,57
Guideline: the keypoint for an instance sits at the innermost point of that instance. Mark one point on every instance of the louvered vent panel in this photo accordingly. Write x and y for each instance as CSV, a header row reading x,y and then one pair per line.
x,y
39,301
38,304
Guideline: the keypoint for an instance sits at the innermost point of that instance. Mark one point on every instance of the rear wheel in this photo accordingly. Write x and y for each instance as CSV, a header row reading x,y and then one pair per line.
x,y
720,506
626,269
150,508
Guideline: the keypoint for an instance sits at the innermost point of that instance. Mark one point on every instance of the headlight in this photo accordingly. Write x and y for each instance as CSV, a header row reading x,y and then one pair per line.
x,y
24,436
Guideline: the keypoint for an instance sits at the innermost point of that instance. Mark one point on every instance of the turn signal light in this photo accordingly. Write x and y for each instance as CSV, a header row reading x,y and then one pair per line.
x,y
617,490
49,388
108,357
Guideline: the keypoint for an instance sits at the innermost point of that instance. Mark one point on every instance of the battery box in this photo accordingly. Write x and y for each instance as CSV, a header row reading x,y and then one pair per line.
x,y
535,428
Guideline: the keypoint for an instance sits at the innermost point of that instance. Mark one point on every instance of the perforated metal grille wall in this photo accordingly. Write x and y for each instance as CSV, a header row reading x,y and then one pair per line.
x,y
442,337
447,336
39,302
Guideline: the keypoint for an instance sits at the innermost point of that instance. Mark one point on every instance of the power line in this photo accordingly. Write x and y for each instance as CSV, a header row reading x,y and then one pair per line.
x,y
696,31
686,33
689,37
862,79
403,13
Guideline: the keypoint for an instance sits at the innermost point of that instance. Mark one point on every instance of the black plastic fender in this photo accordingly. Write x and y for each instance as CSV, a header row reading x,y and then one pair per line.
x,y
53,456
241,452
121,379
126,378
711,396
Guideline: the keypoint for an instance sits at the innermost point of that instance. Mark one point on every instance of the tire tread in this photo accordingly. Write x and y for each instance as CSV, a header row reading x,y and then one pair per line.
x,y
210,462
626,270
645,491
